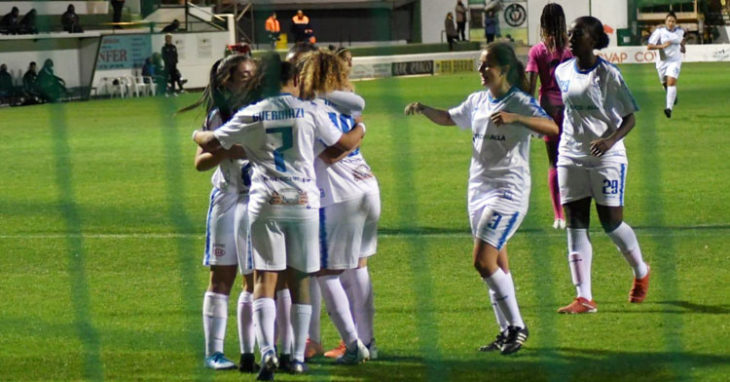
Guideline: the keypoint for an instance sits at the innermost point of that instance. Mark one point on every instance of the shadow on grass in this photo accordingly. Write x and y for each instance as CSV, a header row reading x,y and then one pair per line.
x,y
669,307
546,364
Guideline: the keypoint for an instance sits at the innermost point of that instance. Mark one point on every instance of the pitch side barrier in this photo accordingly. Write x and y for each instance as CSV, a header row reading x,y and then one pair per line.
x,y
641,55
413,64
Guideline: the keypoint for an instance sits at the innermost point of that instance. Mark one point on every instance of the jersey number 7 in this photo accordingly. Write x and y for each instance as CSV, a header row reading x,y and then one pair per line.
x,y
286,143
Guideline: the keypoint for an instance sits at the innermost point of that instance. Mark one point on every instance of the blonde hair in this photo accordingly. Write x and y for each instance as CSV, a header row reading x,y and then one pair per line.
x,y
323,72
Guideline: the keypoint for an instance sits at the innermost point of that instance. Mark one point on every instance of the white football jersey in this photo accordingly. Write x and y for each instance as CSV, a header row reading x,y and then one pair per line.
x,y
500,154
596,100
278,134
675,37
232,175
350,177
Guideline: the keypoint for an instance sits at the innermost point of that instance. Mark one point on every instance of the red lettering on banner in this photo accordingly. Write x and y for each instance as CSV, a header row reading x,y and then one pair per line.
x,y
645,56
613,57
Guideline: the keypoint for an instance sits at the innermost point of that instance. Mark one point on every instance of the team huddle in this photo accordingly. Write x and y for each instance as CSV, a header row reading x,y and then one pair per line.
x,y
293,196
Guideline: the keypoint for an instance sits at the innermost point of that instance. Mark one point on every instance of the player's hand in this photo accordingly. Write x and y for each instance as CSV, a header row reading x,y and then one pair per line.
x,y
666,44
682,49
600,146
413,108
503,118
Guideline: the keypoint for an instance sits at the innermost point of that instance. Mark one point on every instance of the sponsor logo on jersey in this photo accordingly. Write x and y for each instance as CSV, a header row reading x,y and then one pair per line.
x,y
491,137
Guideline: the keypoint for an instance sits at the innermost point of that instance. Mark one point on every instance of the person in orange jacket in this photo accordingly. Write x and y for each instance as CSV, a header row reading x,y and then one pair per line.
x,y
273,28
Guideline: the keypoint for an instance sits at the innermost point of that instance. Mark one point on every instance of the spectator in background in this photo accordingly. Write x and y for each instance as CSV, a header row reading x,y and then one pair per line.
x,y
490,25
460,12
300,27
30,84
451,34
52,88
117,5
27,23
169,57
6,85
10,23
70,20
153,73
171,27
273,28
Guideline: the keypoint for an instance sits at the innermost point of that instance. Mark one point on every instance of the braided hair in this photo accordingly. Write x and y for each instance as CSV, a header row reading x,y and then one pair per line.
x,y
552,24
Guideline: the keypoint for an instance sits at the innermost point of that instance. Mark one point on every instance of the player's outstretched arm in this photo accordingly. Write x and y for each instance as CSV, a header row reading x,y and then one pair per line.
x,y
540,125
437,116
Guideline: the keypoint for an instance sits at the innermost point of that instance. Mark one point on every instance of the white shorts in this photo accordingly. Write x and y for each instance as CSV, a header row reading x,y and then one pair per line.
x,y
220,238
602,179
668,69
284,236
242,228
348,231
494,221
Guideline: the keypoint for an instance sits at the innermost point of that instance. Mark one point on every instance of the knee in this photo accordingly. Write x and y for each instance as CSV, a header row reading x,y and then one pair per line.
x,y
483,267
610,225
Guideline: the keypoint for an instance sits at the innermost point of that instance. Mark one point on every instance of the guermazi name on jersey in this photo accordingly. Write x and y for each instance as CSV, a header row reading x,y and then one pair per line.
x,y
275,115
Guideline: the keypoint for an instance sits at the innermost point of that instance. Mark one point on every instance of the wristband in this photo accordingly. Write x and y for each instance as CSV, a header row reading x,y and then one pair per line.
x,y
362,124
194,132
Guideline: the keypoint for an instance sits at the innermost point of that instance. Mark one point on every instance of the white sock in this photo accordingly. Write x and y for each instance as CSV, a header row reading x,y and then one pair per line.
x,y
338,307
671,96
580,258
363,308
625,239
300,315
264,316
244,314
215,317
501,320
315,297
506,299
347,279
284,330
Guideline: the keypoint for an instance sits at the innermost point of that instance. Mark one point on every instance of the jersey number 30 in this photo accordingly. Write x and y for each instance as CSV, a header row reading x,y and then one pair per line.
x,y
286,143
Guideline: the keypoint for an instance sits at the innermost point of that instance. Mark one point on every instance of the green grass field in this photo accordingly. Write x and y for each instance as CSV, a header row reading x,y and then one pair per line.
x,y
101,233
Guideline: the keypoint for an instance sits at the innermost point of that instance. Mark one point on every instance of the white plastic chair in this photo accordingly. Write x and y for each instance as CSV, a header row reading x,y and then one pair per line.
x,y
151,85
141,86
121,88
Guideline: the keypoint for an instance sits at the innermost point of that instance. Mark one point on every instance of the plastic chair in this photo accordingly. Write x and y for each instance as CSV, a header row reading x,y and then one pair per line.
x,y
141,86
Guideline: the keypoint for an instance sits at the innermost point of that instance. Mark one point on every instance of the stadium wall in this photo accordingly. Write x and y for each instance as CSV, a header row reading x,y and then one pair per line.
x,y
83,59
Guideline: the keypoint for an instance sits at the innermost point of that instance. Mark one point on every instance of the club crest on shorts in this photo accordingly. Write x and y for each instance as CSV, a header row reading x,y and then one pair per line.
x,y
219,251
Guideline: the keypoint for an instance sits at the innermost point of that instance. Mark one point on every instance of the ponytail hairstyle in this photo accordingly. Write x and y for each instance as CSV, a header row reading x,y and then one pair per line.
x,y
594,27
323,72
505,56
215,95
552,24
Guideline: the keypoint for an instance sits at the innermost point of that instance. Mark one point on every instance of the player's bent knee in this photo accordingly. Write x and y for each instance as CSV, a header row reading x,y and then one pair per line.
x,y
610,226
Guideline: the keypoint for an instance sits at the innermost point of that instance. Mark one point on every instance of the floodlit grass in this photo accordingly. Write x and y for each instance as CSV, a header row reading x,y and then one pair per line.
x,y
102,218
